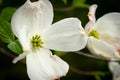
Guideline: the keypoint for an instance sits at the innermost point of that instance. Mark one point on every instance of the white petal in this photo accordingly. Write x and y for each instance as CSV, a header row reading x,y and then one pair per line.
x,y
91,13
91,16
102,49
109,23
108,27
115,69
65,35
42,65
21,56
32,18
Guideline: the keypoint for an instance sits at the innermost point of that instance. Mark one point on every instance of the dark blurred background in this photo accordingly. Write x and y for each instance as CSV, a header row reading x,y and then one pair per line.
x,y
81,67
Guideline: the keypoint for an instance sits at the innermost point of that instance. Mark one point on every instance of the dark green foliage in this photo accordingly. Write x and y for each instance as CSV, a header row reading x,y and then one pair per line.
x,y
6,34
15,47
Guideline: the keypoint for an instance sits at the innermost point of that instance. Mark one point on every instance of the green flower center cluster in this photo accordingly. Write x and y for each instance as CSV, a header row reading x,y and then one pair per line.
x,y
94,33
36,42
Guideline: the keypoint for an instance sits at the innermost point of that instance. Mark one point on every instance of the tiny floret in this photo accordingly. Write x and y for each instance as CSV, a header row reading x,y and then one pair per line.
x,y
36,42
94,33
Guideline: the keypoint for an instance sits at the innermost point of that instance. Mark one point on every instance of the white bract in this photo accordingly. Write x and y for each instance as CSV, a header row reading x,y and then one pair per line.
x,y
115,69
104,34
32,25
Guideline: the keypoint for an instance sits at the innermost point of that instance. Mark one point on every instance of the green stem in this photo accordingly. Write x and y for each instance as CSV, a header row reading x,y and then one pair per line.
x,y
94,56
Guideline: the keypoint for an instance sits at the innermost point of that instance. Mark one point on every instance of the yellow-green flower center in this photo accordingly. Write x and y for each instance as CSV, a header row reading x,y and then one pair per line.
x,y
94,33
36,42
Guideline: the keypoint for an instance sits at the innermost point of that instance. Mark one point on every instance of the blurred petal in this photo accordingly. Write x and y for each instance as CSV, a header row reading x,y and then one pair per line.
x,y
91,16
65,35
115,69
42,65
33,17
102,49
108,27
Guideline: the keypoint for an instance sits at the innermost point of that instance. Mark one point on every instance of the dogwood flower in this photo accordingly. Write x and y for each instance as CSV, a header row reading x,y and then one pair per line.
x,y
104,34
32,25
115,69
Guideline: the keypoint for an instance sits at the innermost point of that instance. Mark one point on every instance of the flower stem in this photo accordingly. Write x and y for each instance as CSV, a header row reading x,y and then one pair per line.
x,y
9,54
94,56
88,73
64,9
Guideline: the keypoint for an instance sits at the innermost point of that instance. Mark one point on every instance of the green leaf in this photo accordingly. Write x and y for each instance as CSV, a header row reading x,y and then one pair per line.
x,y
65,1
15,47
0,2
6,34
59,53
7,13
80,3
97,77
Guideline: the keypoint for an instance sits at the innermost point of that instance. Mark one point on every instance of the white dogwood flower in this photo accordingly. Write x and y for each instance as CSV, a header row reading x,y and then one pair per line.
x,y
115,69
104,34
32,25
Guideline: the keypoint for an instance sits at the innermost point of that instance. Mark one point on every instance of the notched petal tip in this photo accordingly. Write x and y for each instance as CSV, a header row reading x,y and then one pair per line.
x,y
34,0
32,17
